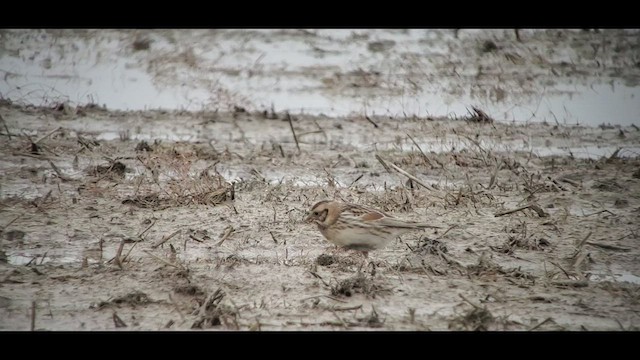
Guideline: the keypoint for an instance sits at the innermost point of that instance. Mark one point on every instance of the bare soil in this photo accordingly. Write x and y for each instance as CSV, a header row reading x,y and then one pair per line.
x,y
181,220
205,231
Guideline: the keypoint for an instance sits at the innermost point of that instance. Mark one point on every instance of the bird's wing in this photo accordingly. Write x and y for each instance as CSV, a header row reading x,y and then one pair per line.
x,y
364,213
372,215
397,223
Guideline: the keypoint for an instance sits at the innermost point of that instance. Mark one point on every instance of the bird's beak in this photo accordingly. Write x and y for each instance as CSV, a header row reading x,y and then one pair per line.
x,y
308,218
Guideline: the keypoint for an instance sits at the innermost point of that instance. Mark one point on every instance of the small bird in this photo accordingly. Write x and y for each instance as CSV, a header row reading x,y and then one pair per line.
x,y
358,227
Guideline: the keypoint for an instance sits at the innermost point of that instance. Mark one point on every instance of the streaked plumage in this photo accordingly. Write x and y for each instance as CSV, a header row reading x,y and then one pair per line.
x,y
358,227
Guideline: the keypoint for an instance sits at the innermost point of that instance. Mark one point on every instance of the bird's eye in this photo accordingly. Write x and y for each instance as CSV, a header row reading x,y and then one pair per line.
x,y
315,213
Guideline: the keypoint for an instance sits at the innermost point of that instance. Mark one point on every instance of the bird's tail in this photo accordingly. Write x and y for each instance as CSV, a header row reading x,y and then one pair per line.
x,y
407,224
426,226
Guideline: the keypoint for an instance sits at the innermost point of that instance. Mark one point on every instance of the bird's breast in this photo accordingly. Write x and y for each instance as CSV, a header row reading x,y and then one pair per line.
x,y
357,237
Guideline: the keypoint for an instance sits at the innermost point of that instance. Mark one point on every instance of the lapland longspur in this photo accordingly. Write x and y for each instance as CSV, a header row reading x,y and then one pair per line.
x,y
358,227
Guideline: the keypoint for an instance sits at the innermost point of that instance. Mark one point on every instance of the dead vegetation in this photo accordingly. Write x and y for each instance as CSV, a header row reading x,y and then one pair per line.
x,y
478,116
430,246
357,284
133,299
475,319
222,244
212,312
519,238
115,170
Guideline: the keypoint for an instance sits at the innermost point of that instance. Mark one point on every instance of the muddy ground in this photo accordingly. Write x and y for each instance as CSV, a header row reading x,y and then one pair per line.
x,y
179,220
208,233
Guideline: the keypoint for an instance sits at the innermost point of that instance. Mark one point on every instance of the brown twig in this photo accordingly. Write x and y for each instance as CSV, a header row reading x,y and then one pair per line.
x,y
210,301
426,159
174,253
177,308
569,181
147,229
39,157
449,260
33,315
563,270
371,121
538,210
476,143
293,131
541,323
257,173
332,180
384,163
273,237
165,239
600,212
47,135
195,238
613,156
492,181
33,259
12,221
517,31
42,201
60,174
339,319
117,258
310,132
533,207
129,252
424,268
5,127
153,177
507,212
327,296
581,245
87,144
608,247
317,277
574,283
578,261
470,302
388,164
579,256
321,129
43,257
117,321
227,232
347,308
449,229
178,266
356,180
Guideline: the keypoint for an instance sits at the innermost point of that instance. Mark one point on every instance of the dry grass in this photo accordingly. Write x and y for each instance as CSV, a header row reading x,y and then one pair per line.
x,y
176,237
